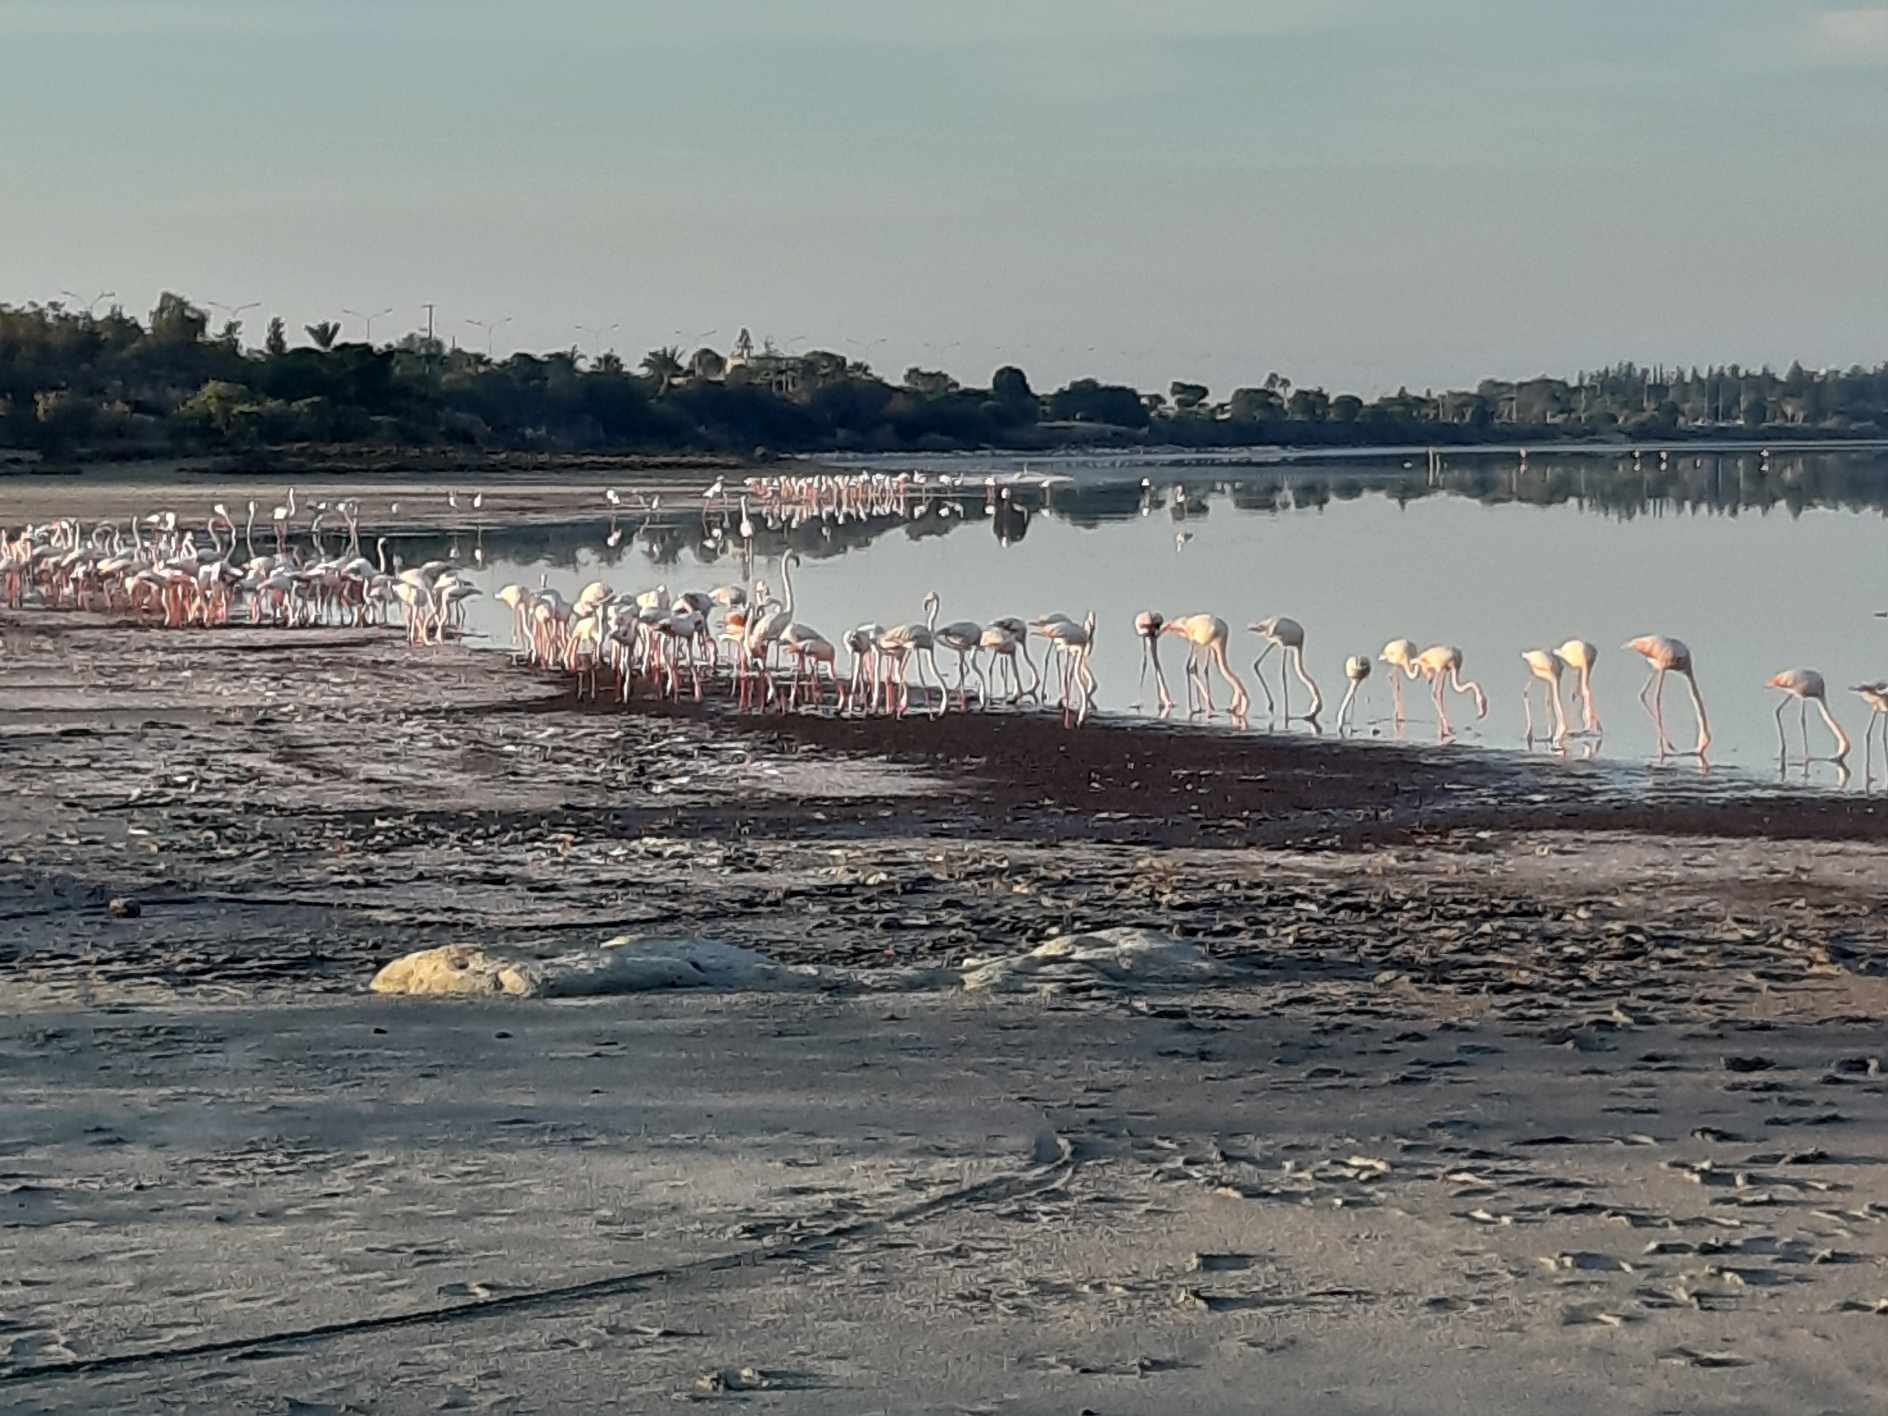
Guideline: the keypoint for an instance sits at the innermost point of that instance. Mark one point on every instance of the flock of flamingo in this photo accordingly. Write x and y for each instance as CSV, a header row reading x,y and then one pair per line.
x,y
158,572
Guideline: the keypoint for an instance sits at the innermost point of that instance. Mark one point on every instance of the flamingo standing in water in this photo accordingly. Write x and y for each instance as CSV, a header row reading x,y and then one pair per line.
x,y
1875,695
1669,656
1806,686
1078,642
1003,644
1207,636
903,643
1148,625
1283,632
1581,656
1356,669
963,638
1014,626
1400,655
1544,666
1441,664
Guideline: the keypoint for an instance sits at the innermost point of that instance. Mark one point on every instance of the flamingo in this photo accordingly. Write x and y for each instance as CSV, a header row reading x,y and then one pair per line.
x,y
905,642
1875,695
1149,625
1669,656
1544,665
807,644
764,631
1806,686
862,641
1356,669
1283,632
1400,654
963,637
1003,643
1078,642
1581,656
1207,636
1441,664
1019,631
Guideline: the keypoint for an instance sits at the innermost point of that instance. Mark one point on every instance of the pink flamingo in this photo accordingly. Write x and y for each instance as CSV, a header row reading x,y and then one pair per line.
x,y
1581,656
1875,695
1543,665
1356,669
1441,664
1669,656
1806,686
1283,632
1400,655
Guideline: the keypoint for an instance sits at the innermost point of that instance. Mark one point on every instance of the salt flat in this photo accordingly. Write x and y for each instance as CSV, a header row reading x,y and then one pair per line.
x,y
937,1202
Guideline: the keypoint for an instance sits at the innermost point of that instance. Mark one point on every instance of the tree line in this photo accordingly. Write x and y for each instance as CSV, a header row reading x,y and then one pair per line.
x,y
73,383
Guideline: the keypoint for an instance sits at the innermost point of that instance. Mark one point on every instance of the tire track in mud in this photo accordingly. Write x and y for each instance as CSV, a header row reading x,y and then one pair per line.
x,y
1054,1166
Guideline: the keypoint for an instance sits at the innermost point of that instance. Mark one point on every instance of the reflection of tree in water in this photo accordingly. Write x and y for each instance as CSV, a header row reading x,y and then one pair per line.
x,y
1725,484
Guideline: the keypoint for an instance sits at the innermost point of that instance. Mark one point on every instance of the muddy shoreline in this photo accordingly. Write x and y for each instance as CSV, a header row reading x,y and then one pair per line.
x,y
322,800
1578,1086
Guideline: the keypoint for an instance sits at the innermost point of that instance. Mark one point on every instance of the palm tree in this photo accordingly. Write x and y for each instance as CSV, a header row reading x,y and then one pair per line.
x,y
324,334
664,365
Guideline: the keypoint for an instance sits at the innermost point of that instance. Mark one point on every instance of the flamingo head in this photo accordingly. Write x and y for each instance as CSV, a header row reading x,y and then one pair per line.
x,y
1148,623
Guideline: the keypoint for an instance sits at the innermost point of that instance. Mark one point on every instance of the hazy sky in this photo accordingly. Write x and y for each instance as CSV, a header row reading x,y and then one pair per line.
x,y
1355,193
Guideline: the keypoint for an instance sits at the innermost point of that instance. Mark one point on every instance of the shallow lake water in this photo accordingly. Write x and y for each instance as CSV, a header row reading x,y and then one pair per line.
x,y
1759,564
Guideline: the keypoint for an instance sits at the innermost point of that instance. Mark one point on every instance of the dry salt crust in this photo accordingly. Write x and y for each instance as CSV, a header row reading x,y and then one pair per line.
x,y
1106,959
1120,1197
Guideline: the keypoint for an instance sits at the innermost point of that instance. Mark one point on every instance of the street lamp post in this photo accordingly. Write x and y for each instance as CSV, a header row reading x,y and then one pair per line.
x,y
91,306
597,334
233,313
490,327
368,319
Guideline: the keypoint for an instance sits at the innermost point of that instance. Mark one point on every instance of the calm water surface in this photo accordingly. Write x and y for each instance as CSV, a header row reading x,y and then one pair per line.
x,y
1758,567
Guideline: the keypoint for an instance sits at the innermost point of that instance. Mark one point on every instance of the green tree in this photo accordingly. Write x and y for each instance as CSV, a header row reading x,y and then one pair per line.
x,y
324,334
1187,395
1345,408
1091,401
1251,405
664,365
276,342
1309,405
932,383
1009,386
176,321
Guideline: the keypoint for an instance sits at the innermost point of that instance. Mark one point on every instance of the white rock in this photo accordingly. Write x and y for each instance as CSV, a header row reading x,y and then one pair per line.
x,y
1107,958
620,965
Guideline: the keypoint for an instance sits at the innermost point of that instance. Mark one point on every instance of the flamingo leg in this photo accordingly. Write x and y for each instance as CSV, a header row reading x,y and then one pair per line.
x,y
1527,707
1297,657
1343,709
1842,739
1803,722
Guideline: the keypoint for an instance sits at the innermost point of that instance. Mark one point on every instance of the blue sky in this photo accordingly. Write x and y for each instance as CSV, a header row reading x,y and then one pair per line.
x,y
1356,193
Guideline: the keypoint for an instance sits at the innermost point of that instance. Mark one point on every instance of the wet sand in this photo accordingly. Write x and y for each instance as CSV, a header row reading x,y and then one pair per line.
x,y
1525,1092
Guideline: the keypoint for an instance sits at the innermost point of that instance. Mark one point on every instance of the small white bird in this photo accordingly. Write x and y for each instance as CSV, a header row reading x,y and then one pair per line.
x,y
393,509
478,500
1180,538
610,495
452,500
